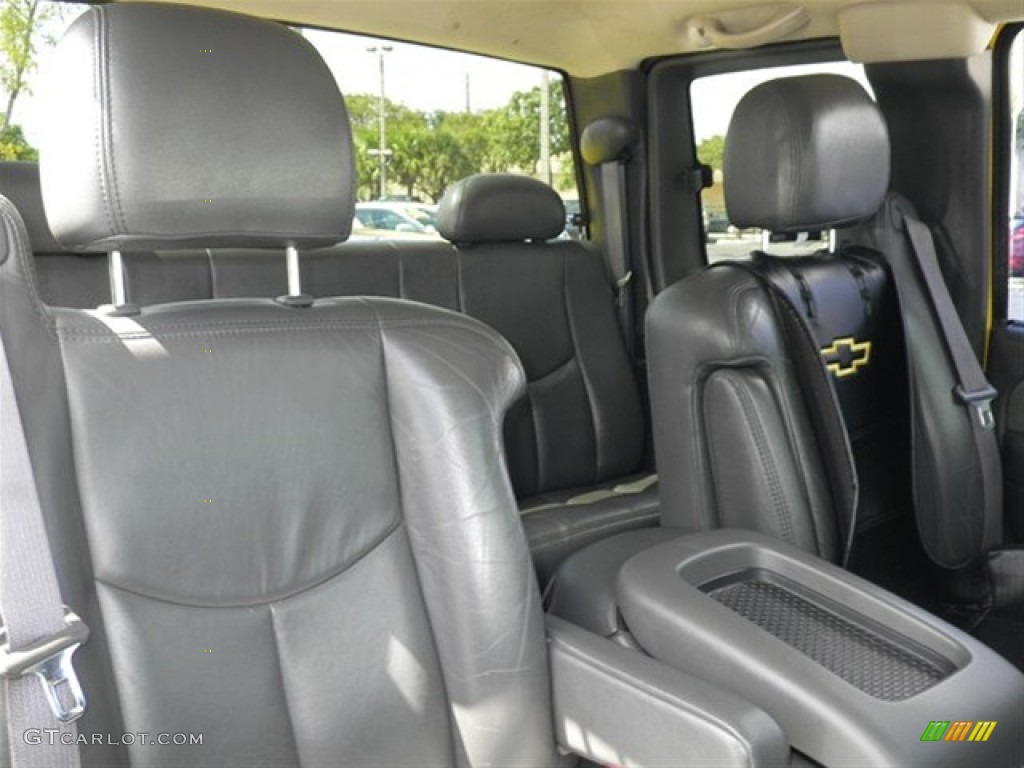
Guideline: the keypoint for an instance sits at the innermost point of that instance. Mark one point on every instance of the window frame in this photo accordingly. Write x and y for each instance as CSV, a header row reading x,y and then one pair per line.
x,y
1002,159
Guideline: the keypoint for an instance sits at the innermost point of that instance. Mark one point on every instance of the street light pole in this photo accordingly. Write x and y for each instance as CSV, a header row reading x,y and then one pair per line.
x,y
545,127
382,153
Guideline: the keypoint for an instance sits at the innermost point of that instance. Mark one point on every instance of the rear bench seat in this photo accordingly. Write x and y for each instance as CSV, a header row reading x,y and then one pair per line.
x,y
576,443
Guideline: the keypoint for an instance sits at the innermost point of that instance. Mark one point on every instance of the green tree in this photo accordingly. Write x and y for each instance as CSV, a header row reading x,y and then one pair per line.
x,y
13,145
430,150
363,110
711,152
22,24
515,130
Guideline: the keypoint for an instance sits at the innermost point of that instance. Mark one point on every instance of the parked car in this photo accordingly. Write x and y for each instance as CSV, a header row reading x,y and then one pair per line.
x,y
1017,246
407,217
573,219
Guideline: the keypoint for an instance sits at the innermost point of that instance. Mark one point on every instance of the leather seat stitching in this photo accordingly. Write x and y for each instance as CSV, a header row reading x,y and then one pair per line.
x,y
780,507
278,598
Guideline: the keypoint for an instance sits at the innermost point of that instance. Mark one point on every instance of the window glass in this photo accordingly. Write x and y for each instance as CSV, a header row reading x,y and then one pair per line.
x,y
422,118
713,100
30,28
1015,226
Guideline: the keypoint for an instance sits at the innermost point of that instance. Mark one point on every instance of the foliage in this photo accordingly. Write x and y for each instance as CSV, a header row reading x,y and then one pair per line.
x,y
711,152
515,128
21,33
13,145
430,150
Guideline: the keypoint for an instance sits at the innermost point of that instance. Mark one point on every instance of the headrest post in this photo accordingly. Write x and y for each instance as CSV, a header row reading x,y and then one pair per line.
x,y
119,306
291,255
295,297
115,268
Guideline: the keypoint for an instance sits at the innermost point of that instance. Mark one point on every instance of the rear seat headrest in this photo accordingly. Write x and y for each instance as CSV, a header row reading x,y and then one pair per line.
x,y
500,207
804,154
173,126
19,183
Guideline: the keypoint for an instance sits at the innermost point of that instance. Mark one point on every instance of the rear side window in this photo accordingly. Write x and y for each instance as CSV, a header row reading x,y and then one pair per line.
x,y
1015,226
713,100
422,118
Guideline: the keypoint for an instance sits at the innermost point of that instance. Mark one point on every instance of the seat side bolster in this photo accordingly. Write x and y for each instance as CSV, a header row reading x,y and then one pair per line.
x,y
620,707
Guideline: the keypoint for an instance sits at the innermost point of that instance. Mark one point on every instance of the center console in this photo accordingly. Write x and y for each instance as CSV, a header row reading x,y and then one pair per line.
x,y
854,675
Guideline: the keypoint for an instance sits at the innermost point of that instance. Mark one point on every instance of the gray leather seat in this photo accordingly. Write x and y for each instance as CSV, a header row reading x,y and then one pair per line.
x,y
288,523
575,441
735,435
288,527
64,278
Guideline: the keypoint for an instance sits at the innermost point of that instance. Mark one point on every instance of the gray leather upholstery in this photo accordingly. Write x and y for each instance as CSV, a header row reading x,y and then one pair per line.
x,y
565,512
733,428
731,431
19,183
558,523
581,423
290,529
277,569
805,153
499,207
65,278
577,435
618,707
580,427
119,176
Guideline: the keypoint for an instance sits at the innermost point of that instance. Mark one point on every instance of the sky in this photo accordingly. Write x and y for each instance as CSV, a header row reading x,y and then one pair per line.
x,y
435,79
715,97
417,76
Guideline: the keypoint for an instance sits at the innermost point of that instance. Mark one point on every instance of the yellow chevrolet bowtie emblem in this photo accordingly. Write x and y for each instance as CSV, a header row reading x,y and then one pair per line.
x,y
845,356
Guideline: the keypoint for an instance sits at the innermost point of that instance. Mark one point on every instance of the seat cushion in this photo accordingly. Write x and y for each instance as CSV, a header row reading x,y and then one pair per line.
x,y
560,523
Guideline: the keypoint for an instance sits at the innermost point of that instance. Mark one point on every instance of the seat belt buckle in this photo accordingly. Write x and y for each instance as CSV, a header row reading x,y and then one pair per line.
x,y
620,288
980,400
50,660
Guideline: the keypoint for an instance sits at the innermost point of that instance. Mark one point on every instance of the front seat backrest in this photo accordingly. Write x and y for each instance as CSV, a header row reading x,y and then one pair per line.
x,y
737,437
288,526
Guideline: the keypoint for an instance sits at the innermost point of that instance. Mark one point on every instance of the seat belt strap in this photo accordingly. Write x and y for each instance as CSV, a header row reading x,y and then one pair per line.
x,y
982,525
39,634
973,389
613,192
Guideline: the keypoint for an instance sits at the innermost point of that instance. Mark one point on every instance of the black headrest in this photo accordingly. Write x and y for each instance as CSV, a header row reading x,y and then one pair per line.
x,y
499,207
804,154
19,183
172,126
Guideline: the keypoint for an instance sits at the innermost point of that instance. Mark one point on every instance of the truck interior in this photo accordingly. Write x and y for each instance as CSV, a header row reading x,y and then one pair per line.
x,y
705,450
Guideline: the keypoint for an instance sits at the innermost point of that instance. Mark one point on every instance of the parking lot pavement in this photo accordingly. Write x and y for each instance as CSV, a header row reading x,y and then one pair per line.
x,y
1015,302
724,247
